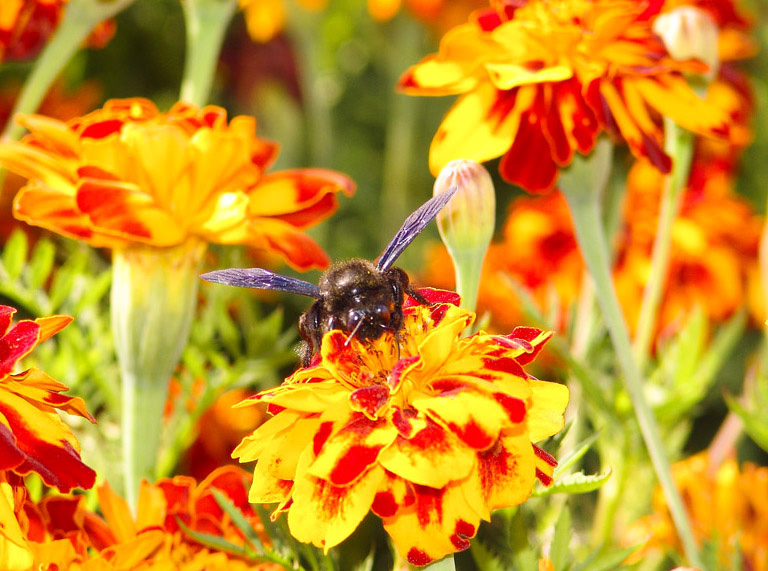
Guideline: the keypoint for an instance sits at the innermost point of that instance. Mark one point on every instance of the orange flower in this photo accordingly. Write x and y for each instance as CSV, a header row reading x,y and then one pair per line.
x,y
714,246
266,18
542,79
727,506
26,25
127,174
63,532
538,252
33,438
443,14
430,431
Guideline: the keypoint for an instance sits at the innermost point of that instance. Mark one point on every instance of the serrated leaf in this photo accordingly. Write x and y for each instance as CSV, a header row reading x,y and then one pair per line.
x,y
755,423
41,264
560,548
237,517
574,455
15,254
576,483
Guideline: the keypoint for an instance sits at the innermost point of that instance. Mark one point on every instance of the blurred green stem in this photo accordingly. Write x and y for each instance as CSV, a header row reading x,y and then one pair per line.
x,y
154,294
678,145
207,22
80,18
403,114
582,185
318,85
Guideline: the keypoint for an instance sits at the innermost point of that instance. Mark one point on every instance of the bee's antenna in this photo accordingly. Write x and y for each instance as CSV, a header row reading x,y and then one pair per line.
x,y
354,331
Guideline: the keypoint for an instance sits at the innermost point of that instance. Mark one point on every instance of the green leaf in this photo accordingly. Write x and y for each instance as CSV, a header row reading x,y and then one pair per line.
x,y
41,264
445,564
755,422
15,254
213,541
577,483
574,455
613,559
485,558
560,549
239,520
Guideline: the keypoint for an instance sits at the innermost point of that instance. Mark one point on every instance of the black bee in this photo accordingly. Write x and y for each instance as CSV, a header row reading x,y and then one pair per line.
x,y
362,298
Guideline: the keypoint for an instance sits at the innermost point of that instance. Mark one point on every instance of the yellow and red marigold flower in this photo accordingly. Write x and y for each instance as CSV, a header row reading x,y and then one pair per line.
x,y
727,506
538,253
128,174
62,531
715,242
33,438
430,432
541,79
26,25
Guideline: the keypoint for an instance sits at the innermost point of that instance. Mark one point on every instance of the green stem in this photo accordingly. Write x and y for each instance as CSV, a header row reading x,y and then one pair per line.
x,y
468,267
154,293
679,145
207,22
582,186
80,18
402,116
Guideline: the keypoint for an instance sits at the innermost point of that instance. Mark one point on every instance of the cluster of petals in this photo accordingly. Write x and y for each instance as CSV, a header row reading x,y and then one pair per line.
x,y
33,437
127,174
726,504
541,79
26,25
63,533
430,431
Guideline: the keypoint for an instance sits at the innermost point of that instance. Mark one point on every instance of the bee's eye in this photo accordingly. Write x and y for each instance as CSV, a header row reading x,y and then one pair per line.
x,y
353,318
383,313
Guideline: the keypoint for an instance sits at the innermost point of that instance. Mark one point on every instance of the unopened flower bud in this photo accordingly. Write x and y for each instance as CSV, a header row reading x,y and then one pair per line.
x,y
466,224
690,32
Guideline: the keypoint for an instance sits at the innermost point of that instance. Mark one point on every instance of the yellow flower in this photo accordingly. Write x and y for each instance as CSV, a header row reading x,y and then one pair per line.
x,y
430,431
129,175
540,80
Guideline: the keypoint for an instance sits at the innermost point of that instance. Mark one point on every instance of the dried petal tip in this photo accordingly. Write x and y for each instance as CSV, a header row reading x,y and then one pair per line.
x,y
466,224
690,33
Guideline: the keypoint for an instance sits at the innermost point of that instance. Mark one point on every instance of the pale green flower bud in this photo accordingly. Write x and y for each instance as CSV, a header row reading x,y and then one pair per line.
x,y
466,224
690,33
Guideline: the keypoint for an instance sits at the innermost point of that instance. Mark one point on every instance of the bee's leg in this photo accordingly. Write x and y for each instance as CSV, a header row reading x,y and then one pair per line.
x,y
414,293
309,329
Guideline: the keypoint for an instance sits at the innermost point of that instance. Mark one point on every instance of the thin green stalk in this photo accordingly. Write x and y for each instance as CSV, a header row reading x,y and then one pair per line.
x,y
582,186
679,145
207,22
468,267
80,18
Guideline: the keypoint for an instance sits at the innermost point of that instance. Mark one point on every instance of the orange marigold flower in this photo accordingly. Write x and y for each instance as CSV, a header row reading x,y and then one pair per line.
x,y
542,79
62,531
714,246
26,25
727,506
127,174
430,431
33,438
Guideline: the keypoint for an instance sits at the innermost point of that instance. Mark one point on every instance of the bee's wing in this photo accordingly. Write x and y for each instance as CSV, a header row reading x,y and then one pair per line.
x,y
262,279
412,227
